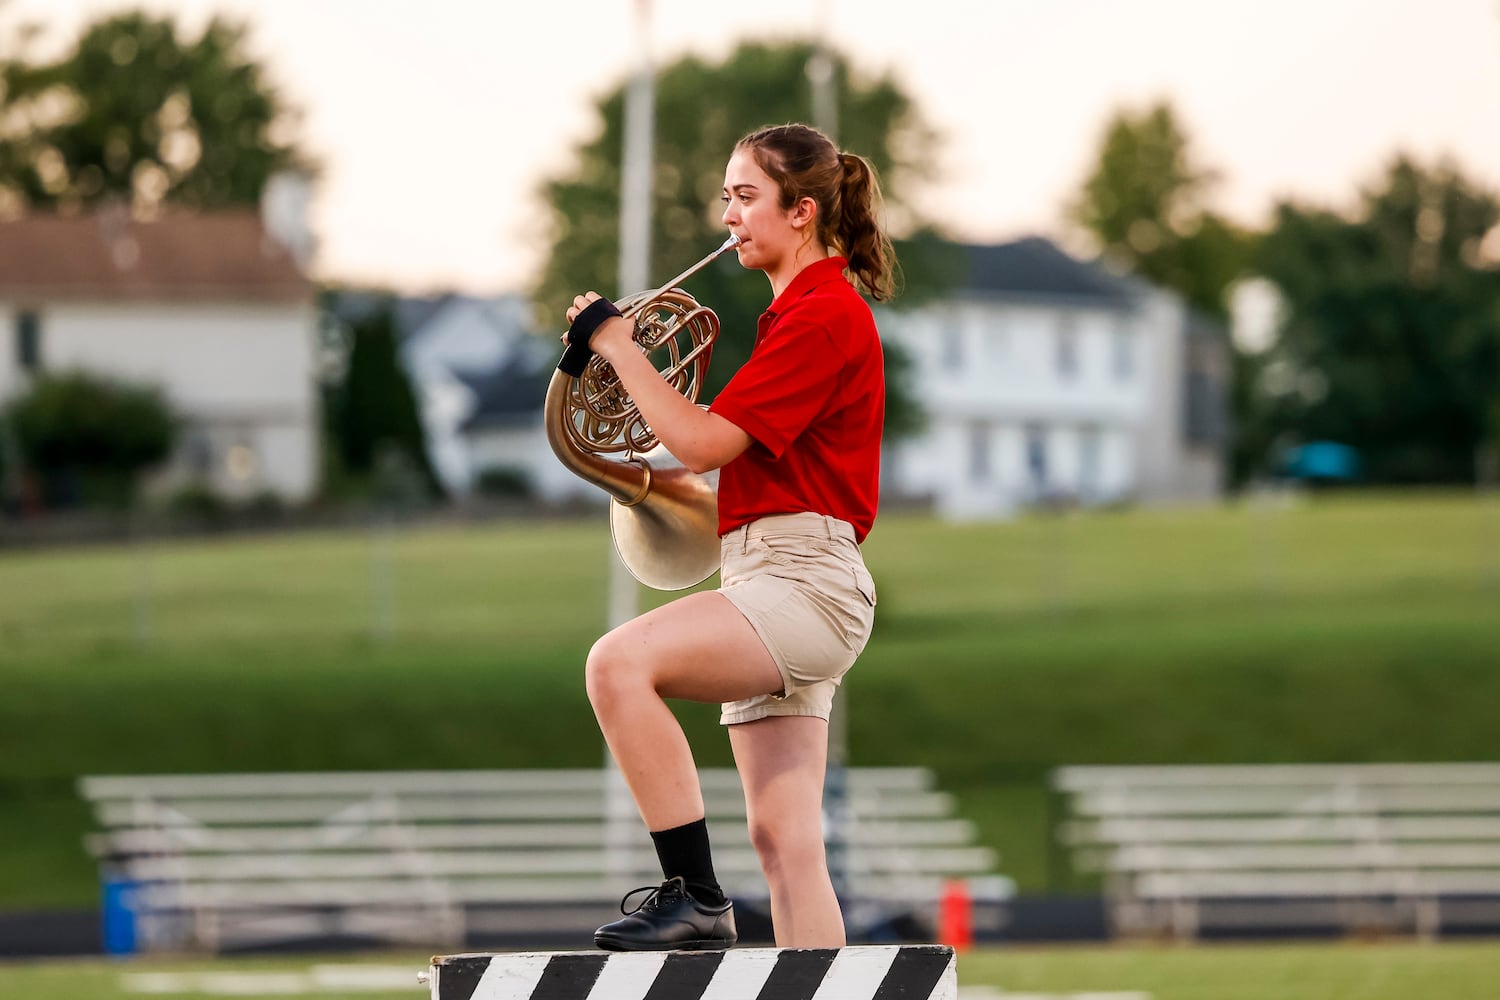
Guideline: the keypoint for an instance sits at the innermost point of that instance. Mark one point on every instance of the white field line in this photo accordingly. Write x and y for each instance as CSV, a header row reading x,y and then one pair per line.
x,y
318,979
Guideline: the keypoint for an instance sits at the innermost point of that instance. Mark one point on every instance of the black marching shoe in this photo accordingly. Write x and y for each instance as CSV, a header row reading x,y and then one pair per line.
x,y
669,920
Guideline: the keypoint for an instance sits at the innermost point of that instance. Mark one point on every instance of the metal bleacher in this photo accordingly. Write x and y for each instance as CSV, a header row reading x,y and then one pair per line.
x,y
218,862
1356,848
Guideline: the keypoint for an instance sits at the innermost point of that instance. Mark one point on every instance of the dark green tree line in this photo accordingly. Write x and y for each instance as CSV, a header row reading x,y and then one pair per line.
x,y
1391,342
1390,334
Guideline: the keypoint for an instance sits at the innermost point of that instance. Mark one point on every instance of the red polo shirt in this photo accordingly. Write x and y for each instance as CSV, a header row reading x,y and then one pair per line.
x,y
812,396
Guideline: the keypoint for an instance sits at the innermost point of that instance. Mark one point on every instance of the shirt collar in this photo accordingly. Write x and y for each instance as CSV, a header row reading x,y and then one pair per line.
x,y
814,275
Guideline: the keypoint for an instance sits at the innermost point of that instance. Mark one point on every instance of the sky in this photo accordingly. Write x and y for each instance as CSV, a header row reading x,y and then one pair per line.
x,y
437,121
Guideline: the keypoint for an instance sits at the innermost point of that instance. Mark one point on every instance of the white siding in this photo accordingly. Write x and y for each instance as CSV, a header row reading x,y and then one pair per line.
x,y
1171,469
987,374
241,375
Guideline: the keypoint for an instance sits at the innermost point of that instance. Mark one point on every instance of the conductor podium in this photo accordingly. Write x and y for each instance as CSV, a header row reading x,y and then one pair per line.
x,y
907,972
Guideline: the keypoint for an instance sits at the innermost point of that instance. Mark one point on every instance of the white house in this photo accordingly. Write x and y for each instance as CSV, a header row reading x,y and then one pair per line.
x,y
1045,378
210,308
479,372
449,348
505,433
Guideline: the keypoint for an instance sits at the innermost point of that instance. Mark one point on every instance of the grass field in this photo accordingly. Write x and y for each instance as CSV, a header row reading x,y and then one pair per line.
x,y
1353,971
1356,628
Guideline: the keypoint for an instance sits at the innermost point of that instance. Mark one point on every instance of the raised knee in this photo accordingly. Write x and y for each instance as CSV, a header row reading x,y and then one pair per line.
x,y
609,672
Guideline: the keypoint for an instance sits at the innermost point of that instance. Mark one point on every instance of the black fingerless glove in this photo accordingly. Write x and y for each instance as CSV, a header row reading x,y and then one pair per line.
x,y
577,355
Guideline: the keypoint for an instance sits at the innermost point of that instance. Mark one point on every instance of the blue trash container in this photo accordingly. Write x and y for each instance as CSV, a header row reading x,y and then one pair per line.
x,y
119,916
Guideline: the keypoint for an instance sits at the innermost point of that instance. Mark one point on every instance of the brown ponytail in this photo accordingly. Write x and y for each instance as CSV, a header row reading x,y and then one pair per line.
x,y
858,233
805,164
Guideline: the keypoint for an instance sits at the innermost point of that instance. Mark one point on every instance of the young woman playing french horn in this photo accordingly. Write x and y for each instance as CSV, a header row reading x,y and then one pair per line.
x,y
796,434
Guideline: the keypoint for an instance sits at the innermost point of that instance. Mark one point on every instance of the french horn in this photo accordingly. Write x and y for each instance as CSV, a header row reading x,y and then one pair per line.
x,y
663,517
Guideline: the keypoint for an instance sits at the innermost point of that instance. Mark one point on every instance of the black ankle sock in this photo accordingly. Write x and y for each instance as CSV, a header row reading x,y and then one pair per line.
x,y
683,850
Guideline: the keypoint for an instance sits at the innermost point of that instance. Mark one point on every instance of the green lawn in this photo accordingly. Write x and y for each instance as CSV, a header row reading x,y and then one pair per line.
x,y
1345,971
1357,628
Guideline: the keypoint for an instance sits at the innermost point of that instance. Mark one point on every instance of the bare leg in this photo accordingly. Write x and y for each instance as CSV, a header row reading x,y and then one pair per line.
x,y
698,648
781,760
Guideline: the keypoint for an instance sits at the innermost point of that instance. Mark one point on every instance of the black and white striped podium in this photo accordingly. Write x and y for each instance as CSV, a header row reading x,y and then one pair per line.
x,y
907,972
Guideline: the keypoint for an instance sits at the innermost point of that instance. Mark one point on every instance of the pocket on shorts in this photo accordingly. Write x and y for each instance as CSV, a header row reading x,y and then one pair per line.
x,y
865,584
859,605
799,552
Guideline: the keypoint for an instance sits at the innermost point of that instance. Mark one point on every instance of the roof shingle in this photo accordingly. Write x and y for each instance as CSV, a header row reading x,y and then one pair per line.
x,y
180,257
1036,266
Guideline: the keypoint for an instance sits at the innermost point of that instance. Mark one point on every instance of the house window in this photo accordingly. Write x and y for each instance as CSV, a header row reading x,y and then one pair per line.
x,y
1090,462
28,341
953,348
996,344
1067,349
1124,354
1036,456
979,453
198,453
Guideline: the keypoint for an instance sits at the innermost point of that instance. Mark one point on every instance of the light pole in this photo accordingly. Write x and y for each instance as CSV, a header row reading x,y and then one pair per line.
x,y
822,74
635,264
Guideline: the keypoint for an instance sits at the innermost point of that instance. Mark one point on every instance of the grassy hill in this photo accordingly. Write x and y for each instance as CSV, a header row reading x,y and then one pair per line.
x,y
1352,628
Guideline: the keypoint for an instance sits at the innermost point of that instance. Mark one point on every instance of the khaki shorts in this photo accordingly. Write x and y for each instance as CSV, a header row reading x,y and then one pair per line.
x,y
801,581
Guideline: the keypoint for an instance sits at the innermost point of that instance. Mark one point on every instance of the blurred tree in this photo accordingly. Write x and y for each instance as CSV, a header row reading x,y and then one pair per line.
x,y
88,438
135,112
702,109
372,415
1391,341
1144,205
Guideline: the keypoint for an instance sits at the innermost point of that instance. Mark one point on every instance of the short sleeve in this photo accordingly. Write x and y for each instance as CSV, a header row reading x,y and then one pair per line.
x,y
787,382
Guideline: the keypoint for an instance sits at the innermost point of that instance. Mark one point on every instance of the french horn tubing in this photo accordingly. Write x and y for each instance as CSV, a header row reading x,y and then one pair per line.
x,y
663,517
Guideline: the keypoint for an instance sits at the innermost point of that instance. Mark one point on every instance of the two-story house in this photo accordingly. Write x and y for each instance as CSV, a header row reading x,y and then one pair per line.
x,y
1047,379
209,308
479,373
